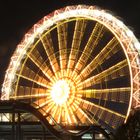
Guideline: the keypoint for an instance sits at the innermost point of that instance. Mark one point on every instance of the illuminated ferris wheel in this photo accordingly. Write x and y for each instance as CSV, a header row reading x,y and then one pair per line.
x,y
78,66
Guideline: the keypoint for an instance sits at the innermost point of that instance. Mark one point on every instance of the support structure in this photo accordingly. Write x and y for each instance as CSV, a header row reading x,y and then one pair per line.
x,y
16,108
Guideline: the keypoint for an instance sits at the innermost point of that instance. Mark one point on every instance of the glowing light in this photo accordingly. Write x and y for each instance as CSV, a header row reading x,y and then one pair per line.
x,y
129,33
11,76
100,135
109,16
21,51
97,13
137,45
119,23
39,30
60,92
29,38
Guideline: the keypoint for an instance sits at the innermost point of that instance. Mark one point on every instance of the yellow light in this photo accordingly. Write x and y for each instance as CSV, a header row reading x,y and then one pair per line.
x,y
60,92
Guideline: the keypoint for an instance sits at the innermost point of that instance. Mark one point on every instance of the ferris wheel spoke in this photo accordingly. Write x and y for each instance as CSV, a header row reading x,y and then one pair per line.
x,y
91,116
38,80
27,93
80,26
53,114
49,107
46,107
73,115
82,115
110,73
28,96
71,109
48,47
42,102
62,41
68,118
39,62
110,49
102,94
59,115
95,37
103,114
96,107
32,76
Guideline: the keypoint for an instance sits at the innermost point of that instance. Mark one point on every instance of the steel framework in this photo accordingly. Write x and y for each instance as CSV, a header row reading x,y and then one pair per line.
x,y
37,129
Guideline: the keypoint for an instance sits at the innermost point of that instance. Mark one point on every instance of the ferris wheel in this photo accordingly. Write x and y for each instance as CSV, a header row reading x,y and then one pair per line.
x,y
78,66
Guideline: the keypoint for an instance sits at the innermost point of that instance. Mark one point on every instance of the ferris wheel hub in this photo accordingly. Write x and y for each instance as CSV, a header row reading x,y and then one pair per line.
x,y
60,92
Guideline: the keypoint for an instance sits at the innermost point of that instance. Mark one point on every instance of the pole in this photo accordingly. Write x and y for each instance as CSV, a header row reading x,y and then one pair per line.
x,y
13,126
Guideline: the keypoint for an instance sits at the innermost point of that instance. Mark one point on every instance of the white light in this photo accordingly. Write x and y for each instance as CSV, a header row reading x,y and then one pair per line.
x,y
109,16
138,61
11,76
21,51
60,92
87,137
100,135
120,23
97,13
137,45
39,30
5,117
129,33
29,38
2,89
61,16
7,90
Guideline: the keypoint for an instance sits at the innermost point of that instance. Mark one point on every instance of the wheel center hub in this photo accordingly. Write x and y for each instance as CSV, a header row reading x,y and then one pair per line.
x,y
60,92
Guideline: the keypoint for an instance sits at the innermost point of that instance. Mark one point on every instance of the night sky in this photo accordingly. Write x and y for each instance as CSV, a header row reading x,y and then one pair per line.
x,y
17,17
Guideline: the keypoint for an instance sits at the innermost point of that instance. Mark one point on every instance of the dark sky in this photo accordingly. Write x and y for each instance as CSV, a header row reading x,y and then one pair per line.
x,y
18,16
